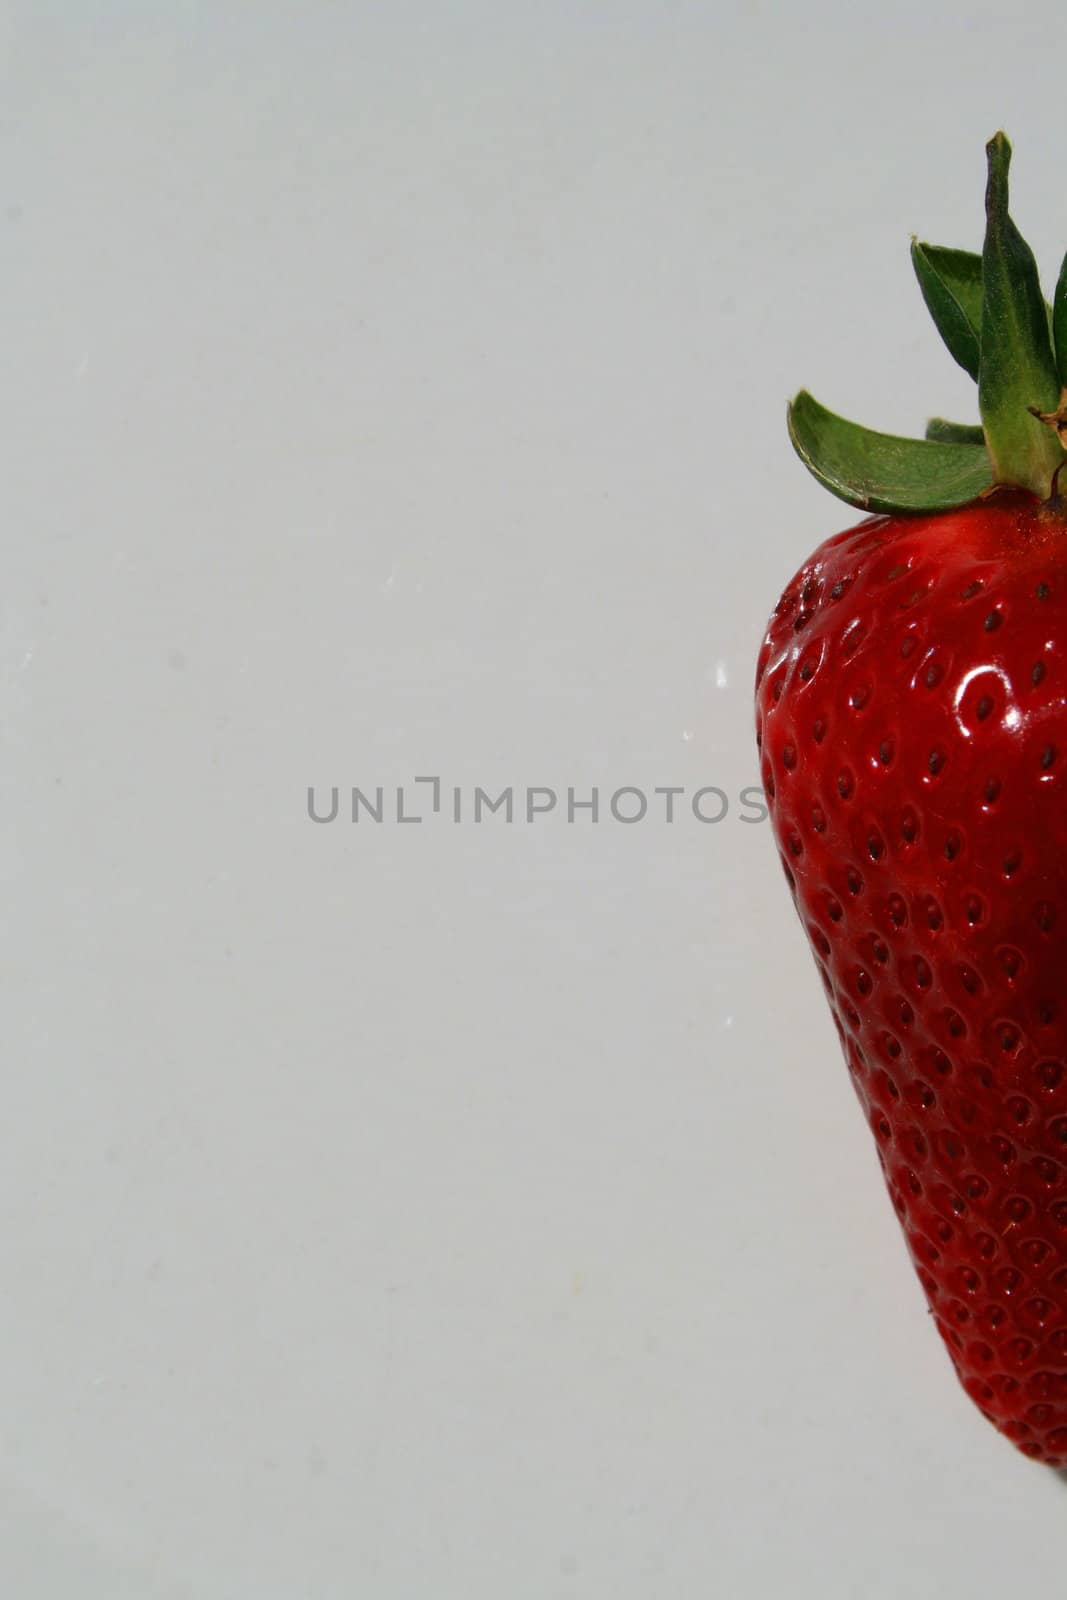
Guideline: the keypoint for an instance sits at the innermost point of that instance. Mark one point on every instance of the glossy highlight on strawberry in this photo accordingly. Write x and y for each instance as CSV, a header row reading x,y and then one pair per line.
x,y
911,715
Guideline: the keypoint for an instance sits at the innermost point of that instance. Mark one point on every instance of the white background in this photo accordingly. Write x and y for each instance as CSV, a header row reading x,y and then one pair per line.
x,y
448,1210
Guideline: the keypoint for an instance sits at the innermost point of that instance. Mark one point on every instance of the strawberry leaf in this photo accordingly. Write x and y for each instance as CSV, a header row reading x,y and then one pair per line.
x,y
951,284
880,471
954,432
1018,371
1059,324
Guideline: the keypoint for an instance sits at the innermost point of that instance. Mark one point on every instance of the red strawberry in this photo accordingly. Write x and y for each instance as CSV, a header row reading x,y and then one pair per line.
x,y
912,719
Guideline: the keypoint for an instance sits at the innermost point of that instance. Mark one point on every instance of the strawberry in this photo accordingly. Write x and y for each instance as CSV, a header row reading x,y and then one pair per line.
x,y
911,708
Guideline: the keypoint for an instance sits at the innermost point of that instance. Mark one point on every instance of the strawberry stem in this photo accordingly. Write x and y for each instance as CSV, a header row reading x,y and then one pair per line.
x,y
1017,369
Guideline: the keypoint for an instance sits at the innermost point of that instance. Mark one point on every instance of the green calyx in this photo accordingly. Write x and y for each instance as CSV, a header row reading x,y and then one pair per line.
x,y
991,314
